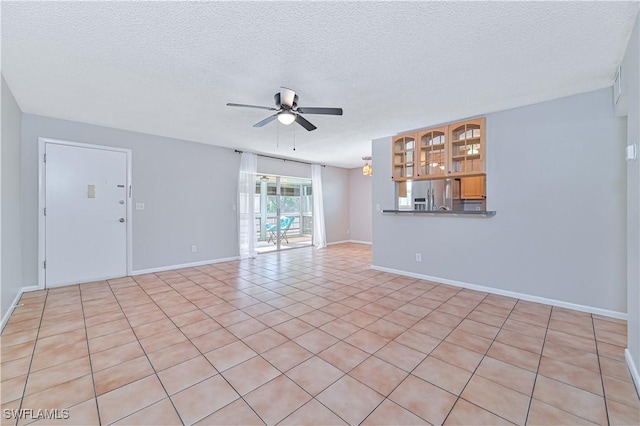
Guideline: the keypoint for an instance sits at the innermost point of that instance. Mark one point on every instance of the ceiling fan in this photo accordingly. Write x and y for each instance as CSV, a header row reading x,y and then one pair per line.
x,y
287,110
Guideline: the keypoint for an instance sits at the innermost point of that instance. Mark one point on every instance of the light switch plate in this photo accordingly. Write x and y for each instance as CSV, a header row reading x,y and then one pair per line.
x,y
632,152
139,206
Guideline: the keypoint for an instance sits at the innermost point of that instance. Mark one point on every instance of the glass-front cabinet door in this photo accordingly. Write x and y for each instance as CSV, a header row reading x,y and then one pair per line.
x,y
467,148
404,157
433,153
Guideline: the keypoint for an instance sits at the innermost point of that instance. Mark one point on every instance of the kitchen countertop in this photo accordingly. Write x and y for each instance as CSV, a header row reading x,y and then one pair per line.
x,y
444,212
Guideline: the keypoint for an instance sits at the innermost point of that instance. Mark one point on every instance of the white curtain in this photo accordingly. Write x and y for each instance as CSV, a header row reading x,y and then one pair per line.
x,y
247,237
319,233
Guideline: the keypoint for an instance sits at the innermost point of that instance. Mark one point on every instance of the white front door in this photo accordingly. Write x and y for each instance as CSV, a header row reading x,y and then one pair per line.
x,y
86,214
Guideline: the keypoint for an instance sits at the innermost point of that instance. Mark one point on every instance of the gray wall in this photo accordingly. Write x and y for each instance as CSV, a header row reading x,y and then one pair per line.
x,y
557,179
631,90
360,205
11,260
335,191
189,191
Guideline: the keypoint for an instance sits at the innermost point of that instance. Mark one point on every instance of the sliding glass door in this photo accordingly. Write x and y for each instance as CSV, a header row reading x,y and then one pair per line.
x,y
284,212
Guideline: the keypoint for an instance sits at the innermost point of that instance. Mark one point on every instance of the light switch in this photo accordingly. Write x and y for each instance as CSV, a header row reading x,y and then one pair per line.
x,y
139,206
91,191
632,152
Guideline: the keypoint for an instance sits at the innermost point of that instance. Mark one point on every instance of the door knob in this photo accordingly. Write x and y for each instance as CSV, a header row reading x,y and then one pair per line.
x,y
122,220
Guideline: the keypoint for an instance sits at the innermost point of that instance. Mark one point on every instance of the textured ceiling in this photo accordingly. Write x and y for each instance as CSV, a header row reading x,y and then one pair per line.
x,y
169,68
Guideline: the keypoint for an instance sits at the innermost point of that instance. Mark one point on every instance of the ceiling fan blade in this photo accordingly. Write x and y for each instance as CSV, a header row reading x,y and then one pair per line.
x,y
251,106
304,123
265,121
287,97
316,110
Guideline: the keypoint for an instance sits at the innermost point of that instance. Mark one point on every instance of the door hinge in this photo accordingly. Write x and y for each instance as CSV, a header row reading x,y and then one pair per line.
x,y
45,158
45,264
45,211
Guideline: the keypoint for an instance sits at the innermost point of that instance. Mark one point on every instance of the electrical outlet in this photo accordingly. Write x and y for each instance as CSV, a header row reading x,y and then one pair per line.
x,y
194,249
377,207
418,257
139,206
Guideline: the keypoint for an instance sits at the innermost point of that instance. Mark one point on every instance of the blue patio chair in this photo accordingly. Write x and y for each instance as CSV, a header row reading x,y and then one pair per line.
x,y
285,224
271,228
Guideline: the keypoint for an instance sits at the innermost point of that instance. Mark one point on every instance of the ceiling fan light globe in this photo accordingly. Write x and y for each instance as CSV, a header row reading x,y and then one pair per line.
x,y
286,118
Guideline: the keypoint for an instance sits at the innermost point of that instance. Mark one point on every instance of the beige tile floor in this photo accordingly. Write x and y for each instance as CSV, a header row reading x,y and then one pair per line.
x,y
291,242
308,337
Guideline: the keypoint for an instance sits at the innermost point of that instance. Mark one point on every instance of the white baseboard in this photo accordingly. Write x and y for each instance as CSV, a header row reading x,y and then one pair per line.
x,y
184,265
349,241
522,296
338,242
7,314
633,369
360,242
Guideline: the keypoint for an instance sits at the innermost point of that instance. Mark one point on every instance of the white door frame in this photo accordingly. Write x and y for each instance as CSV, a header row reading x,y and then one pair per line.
x,y
41,200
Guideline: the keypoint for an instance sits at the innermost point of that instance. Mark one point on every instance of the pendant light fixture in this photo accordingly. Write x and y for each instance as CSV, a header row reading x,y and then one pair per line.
x,y
367,170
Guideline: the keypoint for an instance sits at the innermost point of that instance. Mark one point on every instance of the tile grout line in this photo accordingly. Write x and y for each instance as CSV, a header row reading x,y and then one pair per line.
x,y
604,391
35,343
535,379
93,381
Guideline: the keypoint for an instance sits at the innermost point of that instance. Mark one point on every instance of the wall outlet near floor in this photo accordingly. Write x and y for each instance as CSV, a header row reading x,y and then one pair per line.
x,y
194,249
418,257
139,206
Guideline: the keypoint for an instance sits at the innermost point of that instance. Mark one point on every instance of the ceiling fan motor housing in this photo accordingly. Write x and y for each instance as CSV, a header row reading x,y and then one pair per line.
x,y
276,97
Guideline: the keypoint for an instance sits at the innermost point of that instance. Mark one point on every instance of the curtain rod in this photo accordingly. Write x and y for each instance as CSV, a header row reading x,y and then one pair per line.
x,y
278,158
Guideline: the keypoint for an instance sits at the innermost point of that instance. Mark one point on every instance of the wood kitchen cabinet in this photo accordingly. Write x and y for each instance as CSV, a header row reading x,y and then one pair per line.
x,y
433,155
451,151
467,144
472,188
404,157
